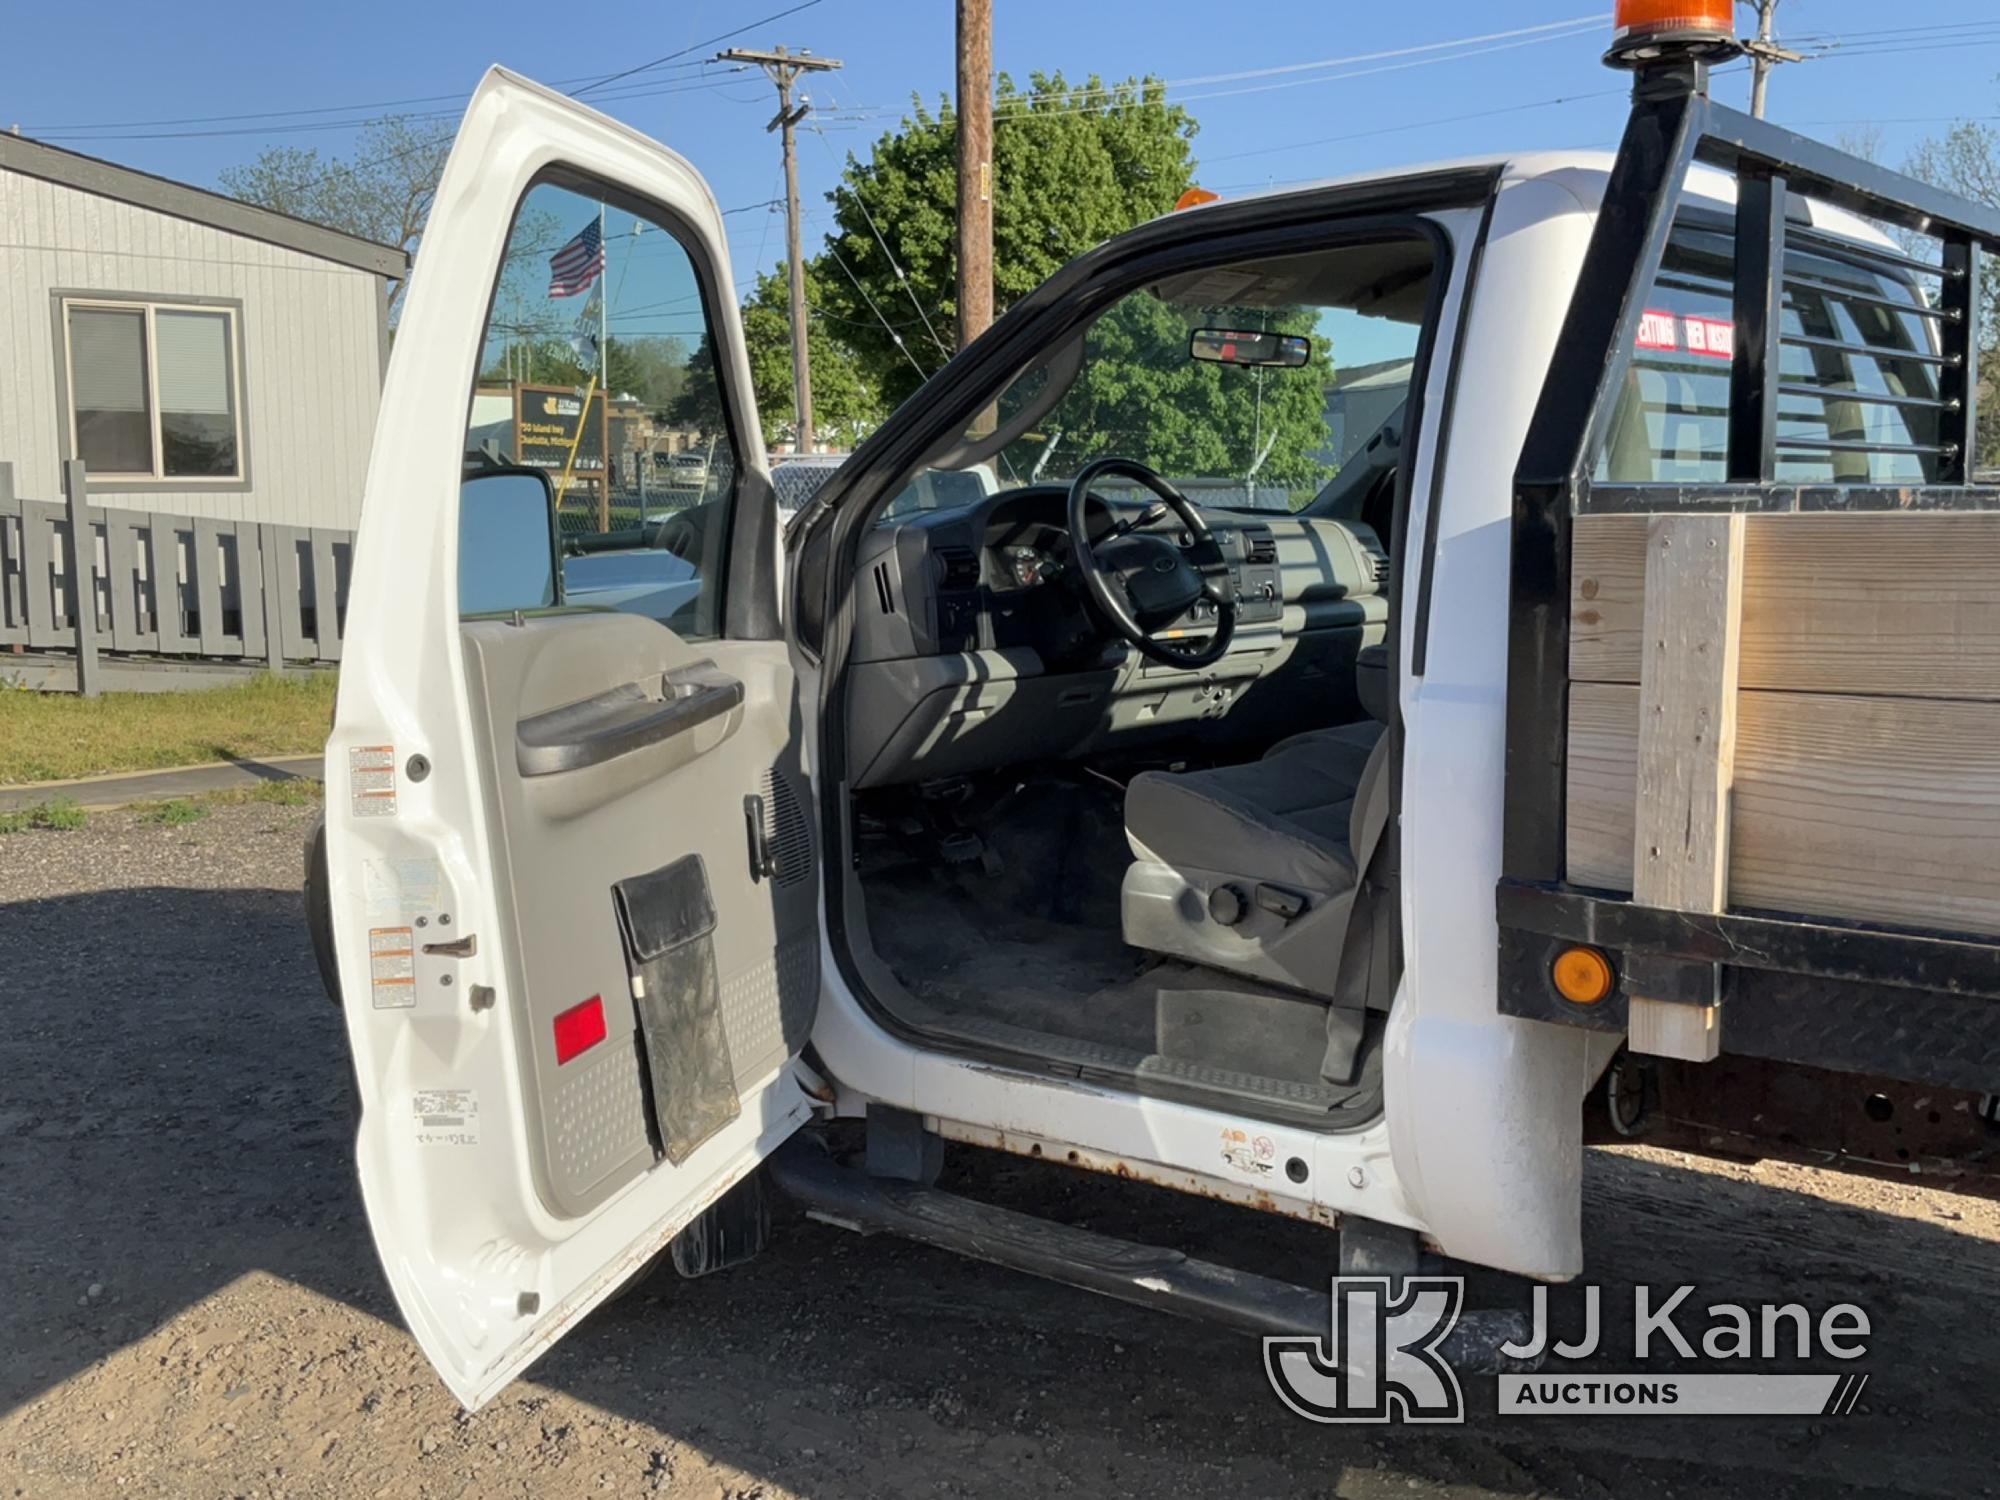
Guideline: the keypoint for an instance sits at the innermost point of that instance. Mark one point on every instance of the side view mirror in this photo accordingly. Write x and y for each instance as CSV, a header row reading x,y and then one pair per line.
x,y
509,556
1224,346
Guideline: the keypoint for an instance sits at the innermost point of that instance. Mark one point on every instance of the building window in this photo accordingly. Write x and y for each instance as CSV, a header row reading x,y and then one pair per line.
x,y
154,390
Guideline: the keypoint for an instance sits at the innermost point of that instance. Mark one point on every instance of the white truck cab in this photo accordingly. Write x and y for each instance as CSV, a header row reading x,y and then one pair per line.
x,y
1073,817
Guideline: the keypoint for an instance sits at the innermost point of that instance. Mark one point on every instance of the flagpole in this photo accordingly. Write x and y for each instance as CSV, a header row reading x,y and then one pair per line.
x,y
603,373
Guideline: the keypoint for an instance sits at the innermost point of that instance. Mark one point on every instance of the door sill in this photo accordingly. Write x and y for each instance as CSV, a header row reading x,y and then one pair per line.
x,y
1334,1109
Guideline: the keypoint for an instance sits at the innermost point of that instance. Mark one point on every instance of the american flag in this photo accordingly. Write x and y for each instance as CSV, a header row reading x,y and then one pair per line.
x,y
574,267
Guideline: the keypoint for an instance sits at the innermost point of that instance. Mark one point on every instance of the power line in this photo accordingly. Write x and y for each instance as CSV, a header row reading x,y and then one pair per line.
x,y
889,255
282,114
358,122
1134,93
887,327
1397,129
583,85
695,46
1871,53
1892,33
1593,21
1011,115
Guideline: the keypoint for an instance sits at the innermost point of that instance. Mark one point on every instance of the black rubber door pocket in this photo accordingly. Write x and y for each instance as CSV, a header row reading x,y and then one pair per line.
x,y
668,922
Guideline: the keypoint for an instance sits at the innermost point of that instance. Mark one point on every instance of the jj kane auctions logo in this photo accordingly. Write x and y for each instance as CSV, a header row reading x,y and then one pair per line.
x,y
1393,1350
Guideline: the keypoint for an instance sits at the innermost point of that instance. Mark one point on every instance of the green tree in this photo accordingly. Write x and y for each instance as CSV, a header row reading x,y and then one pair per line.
x,y
652,368
846,403
699,404
382,192
1073,164
1966,161
1140,395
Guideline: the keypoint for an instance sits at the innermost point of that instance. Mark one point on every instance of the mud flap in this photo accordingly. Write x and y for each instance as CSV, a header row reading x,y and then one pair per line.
x,y
667,919
730,1231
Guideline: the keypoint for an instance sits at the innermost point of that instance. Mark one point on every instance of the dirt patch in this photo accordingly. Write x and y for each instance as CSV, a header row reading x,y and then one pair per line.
x,y
196,1308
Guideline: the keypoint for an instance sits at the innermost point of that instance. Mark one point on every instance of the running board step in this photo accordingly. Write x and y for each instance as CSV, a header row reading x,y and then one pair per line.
x,y
1145,1275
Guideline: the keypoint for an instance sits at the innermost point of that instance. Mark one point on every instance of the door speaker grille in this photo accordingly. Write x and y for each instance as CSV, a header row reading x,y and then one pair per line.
x,y
787,834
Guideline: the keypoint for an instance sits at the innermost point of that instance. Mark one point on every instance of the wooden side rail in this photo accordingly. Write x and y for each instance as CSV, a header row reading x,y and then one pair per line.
x,y
1788,712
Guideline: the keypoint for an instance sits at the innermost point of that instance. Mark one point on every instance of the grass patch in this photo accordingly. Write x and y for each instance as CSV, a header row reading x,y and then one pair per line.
x,y
175,814
299,791
62,814
57,736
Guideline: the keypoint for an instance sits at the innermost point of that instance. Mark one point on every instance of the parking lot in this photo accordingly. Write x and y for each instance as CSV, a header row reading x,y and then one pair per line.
x,y
195,1306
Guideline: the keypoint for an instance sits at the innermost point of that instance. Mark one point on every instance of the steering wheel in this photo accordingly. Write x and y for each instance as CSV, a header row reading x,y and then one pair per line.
x,y
1142,581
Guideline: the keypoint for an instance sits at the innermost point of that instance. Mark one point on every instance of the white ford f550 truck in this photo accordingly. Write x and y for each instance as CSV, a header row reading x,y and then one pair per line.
x,y
1612,711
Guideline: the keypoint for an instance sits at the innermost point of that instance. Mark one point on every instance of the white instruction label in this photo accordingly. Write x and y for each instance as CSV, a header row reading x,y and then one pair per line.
x,y
399,889
371,780
446,1117
392,968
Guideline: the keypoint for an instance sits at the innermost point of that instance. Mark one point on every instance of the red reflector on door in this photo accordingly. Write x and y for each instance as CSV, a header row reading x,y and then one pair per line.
x,y
579,1028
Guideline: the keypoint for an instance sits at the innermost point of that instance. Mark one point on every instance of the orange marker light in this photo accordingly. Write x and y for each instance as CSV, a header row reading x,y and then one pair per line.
x,y
1582,975
1194,198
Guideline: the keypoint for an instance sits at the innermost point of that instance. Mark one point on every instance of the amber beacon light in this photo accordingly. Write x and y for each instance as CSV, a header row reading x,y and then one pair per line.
x,y
1645,32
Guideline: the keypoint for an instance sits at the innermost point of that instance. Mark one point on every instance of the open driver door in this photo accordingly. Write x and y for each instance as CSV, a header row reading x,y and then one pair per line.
x,y
569,858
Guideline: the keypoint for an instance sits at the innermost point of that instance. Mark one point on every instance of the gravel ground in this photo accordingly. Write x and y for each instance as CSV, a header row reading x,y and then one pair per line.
x,y
196,1308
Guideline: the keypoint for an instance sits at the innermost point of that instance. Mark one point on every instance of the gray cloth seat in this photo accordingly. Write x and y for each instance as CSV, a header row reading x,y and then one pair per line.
x,y
1286,820
1263,869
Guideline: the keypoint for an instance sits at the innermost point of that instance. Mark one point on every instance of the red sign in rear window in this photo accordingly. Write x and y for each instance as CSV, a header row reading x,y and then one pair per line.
x,y
1713,337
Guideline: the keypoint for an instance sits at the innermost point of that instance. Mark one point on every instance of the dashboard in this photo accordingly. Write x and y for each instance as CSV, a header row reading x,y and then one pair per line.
x,y
975,646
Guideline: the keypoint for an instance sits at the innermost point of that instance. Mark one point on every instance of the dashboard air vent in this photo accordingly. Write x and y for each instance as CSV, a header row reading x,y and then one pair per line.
x,y
958,569
1263,546
883,593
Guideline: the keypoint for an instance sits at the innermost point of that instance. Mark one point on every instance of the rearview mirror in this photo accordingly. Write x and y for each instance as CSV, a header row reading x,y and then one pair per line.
x,y
508,557
1223,346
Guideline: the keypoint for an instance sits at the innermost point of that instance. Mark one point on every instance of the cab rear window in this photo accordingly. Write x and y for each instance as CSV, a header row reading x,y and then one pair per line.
x,y
1850,333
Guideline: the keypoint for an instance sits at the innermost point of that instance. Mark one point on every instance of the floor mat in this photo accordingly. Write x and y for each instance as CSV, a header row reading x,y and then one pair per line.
x,y
1005,910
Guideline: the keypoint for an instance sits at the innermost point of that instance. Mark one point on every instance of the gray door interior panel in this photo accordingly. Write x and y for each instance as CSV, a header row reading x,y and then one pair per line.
x,y
567,834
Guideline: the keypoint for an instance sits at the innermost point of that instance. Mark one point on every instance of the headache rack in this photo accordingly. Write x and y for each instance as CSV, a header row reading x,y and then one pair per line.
x,y
1753,723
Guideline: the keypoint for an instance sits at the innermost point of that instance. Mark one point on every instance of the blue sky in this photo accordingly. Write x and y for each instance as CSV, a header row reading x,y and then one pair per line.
x,y
1264,118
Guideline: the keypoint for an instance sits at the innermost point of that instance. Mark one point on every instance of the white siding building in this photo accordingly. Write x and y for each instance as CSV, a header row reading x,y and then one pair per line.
x,y
204,357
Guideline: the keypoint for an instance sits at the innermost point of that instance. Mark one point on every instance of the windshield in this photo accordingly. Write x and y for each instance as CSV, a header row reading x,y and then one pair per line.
x,y
1248,385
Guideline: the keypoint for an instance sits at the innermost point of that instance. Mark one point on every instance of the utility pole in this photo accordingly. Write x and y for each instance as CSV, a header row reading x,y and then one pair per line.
x,y
784,69
975,168
1765,54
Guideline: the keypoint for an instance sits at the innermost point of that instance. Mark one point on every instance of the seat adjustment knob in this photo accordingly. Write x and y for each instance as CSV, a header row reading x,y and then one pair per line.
x,y
1228,904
